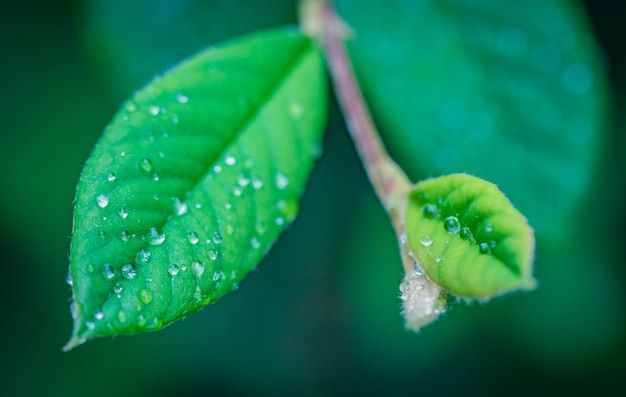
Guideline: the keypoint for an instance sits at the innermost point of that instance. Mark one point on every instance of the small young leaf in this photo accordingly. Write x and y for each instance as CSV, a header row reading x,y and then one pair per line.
x,y
193,181
468,237
512,91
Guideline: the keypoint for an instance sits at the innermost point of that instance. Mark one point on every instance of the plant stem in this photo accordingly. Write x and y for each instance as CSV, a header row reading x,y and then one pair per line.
x,y
389,181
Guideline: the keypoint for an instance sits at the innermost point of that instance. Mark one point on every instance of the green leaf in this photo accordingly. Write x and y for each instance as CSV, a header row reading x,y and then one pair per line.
x,y
193,181
468,237
513,92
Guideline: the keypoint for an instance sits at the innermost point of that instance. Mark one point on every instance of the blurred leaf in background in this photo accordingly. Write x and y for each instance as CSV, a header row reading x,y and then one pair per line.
x,y
321,314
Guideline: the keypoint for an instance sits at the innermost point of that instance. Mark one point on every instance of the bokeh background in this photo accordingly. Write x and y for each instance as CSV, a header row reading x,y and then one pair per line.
x,y
320,315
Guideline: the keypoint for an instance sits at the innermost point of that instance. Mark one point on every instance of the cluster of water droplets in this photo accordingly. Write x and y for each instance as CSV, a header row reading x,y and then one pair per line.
x,y
421,297
452,225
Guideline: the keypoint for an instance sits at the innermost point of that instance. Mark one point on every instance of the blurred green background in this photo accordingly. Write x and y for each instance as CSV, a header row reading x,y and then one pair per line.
x,y
320,316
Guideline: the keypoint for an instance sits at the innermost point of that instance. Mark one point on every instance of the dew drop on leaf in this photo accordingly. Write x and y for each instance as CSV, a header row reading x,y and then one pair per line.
x,y
430,211
142,257
426,240
180,207
197,268
154,237
484,248
230,160
155,110
193,238
129,271
121,316
173,269
111,177
213,255
281,181
145,165
123,213
145,296
466,234
107,271
181,98
102,201
452,225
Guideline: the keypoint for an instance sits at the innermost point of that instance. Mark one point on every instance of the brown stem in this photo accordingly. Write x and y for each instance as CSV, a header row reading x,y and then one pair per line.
x,y
389,181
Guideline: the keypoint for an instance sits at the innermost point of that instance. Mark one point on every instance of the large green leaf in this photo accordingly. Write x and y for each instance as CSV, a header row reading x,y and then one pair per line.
x,y
193,181
513,92
468,237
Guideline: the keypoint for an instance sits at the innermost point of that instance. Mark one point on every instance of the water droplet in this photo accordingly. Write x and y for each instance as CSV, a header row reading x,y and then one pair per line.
x,y
124,235
99,314
156,197
213,255
260,228
145,296
142,257
426,240
173,269
107,271
492,244
237,192
281,181
141,320
243,181
90,325
296,110
228,206
69,279
257,183
89,268
279,221
102,201
197,268
484,248
122,154
452,225
111,177
193,238
230,160
198,206
117,288
123,213
130,106
155,110
102,234
466,234
121,317
154,237
156,177
217,238
180,207
217,169
430,211
216,276
255,243
488,228
146,165
181,98
129,271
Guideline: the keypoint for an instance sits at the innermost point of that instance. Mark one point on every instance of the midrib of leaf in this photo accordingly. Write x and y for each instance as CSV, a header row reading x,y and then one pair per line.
x,y
248,120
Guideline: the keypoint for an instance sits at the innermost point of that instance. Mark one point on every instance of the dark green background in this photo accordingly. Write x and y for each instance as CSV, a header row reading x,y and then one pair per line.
x,y
320,316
